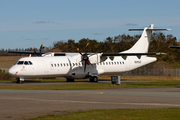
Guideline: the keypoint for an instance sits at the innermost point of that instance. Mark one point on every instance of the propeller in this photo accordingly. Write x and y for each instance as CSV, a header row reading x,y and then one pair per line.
x,y
85,58
40,54
34,50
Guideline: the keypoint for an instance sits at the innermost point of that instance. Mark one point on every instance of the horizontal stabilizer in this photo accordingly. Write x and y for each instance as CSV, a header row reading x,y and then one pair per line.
x,y
149,29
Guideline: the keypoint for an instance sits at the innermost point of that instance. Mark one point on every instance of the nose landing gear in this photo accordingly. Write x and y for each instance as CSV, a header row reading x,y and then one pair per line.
x,y
20,80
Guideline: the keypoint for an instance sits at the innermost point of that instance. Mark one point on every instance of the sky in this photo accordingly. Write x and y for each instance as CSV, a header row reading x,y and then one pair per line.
x,y
28,23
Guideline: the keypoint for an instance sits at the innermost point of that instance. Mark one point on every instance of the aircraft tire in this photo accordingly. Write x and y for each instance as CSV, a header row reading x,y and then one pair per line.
x,y
69,80
19,81
93,79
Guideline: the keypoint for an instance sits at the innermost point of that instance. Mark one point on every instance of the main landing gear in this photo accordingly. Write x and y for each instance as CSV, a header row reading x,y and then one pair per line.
x,y
93,79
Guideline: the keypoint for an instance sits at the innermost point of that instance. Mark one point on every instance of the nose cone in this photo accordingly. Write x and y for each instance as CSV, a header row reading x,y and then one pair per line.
x,y
12,71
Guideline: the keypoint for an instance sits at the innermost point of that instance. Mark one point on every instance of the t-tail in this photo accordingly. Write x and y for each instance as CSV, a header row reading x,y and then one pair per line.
x,y
142,45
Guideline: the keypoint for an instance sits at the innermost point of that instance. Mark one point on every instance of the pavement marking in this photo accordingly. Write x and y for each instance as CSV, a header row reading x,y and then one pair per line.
x,y
88,102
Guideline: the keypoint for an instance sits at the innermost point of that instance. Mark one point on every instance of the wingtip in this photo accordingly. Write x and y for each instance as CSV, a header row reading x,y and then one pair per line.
x,y
161,54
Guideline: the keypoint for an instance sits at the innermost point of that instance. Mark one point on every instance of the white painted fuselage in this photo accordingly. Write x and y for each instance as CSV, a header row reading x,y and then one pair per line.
x,y
68,67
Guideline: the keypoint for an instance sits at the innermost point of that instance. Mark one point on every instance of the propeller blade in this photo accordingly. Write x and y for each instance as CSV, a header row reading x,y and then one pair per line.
x,y
86,48
79,51
91,64
40,48
34,50
87,45
85,67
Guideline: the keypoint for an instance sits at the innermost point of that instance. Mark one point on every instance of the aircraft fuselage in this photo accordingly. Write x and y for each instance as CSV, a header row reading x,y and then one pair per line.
x,y
66,66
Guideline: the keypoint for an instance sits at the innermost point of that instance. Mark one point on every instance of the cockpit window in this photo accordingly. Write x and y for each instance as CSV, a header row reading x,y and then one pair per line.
x,y
24,63
30,62
20,63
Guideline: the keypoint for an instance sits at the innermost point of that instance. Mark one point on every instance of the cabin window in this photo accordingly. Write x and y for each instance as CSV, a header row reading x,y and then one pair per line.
x,y
61,64
73,64
109,63
55,65
67,64
103,63
64,64
79,64
58,64
106,63
123,62
118,63
112,63
115,63
76,64
51,65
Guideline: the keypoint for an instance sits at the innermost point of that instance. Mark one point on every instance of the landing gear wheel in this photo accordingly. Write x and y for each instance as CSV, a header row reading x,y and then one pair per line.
x,y
69,80
93,79
19,81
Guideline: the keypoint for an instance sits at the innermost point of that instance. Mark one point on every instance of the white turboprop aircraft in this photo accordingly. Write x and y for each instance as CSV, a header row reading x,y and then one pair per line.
x,y
85,65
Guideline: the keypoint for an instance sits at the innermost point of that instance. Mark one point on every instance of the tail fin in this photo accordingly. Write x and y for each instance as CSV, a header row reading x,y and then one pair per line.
x,y
142,45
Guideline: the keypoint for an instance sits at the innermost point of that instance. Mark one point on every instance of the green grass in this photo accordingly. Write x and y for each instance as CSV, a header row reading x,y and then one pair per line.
x,y
119,114
83,86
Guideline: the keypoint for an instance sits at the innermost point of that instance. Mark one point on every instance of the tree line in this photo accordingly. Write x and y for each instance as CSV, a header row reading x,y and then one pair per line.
x,y
159,43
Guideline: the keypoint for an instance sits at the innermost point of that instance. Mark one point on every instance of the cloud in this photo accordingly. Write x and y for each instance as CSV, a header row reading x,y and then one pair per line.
x,y
45,38
29,39
130,24
97,33
43,22
37,39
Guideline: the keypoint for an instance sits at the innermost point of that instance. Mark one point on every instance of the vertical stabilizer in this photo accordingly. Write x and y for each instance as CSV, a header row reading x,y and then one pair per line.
x,y
142,45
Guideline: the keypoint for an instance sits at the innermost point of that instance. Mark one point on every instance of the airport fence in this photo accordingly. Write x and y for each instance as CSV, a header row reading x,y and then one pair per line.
x,y
155,70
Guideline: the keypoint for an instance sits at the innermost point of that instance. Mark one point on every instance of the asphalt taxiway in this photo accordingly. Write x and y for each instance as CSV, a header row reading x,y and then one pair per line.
x,y
25,104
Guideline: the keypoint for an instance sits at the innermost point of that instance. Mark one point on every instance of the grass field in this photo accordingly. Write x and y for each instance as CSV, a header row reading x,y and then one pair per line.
x,y
150,82
119,114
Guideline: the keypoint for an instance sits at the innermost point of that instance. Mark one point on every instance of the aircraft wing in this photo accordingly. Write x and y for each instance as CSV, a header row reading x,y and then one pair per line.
x,y
36,53
177,47
26,52
130,54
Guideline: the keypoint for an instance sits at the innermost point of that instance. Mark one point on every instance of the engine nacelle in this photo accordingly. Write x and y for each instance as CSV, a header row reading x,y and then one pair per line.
x,y
97,58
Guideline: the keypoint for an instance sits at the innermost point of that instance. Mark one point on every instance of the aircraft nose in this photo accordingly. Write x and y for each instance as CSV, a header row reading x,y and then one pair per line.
x,y
12,71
